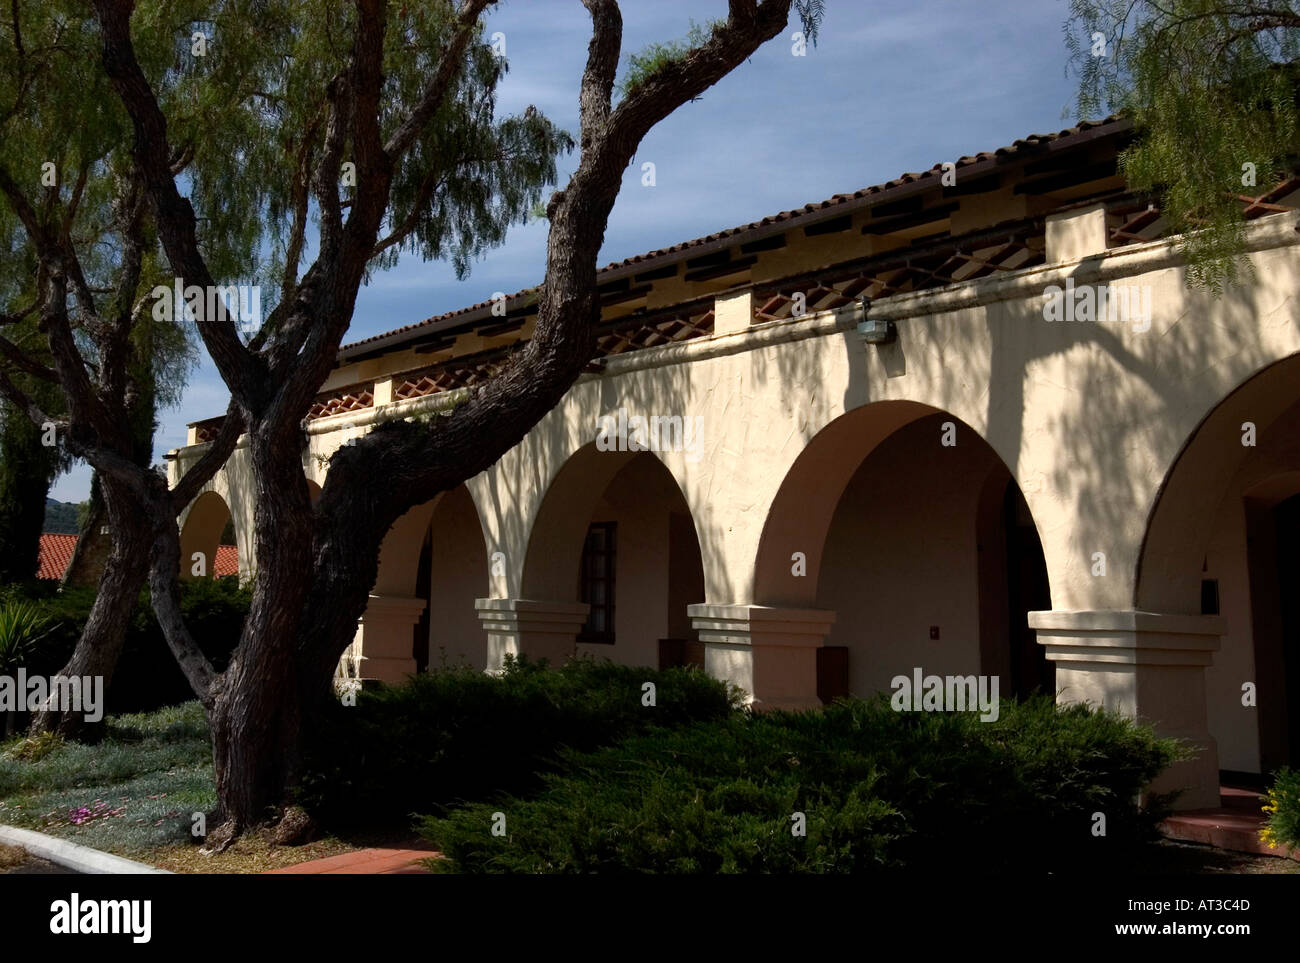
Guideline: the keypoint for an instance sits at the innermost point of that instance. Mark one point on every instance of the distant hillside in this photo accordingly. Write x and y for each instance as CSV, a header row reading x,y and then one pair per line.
x,y
60,518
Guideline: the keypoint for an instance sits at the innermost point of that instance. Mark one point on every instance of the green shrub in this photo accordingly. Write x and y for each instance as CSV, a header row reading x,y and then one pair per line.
x,y
1282,804
66,613
456,733
146,677
877,789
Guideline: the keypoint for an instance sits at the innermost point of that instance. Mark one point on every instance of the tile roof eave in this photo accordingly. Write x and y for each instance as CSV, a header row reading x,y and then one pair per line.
x,y
809,214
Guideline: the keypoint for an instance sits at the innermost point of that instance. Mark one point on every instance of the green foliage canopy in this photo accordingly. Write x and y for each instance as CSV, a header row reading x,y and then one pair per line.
x,y
1211,87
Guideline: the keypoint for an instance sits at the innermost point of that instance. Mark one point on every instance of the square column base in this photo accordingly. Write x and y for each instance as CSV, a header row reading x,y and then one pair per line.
x,y
1148,666
384,637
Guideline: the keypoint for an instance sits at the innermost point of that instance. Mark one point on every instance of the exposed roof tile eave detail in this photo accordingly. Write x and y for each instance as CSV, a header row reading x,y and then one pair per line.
x,y
807,215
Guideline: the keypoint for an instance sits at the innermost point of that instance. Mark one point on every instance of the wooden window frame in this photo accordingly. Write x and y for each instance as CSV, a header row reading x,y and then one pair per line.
x,y
599,567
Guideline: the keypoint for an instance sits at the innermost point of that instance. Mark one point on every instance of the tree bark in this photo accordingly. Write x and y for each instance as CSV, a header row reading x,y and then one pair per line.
x,y
81,568
100,645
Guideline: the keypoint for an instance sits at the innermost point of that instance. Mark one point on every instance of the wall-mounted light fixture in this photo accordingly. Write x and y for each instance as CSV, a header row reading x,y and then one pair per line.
x,y
875,330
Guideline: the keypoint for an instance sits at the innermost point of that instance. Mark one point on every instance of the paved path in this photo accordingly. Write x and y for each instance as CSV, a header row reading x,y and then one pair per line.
x,y
364,861
1234,825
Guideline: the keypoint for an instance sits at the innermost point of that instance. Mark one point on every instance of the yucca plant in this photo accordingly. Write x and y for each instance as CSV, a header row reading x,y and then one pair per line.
x,y
22,627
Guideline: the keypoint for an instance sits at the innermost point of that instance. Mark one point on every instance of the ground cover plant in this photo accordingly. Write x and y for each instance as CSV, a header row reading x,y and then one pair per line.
x,y
137,789
868,787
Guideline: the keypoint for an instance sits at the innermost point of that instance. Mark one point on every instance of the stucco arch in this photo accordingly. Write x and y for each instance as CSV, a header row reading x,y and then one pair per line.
x,y
201,533
800,514
659,571
1197,481
432,567
556,536
399,554
920,553
453,573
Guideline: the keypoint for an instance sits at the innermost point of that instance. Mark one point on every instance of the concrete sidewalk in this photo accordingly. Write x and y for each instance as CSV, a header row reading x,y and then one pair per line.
x,y
72,856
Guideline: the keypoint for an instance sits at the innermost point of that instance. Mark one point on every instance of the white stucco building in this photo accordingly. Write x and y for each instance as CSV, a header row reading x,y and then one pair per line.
x,y
980,485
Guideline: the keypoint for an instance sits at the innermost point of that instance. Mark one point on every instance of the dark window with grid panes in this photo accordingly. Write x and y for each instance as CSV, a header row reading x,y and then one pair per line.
x,y
598,582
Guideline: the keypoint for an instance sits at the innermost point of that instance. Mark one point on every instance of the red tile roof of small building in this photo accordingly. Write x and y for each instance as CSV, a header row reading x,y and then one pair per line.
x,y
227,561
55,554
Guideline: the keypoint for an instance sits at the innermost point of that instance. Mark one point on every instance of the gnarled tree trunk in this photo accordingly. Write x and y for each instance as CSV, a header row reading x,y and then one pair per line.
x,y
100,646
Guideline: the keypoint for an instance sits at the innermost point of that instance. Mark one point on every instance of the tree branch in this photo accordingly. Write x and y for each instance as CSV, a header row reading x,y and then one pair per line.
x,y
21,360
327,175
198,475
412,220
399,465
597,90
164,591
24,403
449,65
300,200
177,226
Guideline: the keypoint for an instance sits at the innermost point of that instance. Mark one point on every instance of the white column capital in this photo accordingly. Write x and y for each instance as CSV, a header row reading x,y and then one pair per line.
x,y
393,607
761,624
1128,637
384,636
770,652
537,628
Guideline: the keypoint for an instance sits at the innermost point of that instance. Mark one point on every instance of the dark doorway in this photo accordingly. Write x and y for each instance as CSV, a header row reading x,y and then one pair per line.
x,y
1027,591
424,590
1287,527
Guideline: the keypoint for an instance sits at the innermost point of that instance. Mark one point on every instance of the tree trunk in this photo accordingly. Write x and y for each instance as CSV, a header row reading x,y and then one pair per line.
x,y
101,642
92,548
256,732
315,568
256,716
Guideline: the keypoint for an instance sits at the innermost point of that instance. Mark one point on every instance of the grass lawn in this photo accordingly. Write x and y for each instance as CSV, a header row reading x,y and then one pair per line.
x,y
134,794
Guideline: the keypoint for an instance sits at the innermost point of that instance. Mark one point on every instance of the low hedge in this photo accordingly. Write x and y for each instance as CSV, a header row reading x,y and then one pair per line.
x,y
457,734
877,789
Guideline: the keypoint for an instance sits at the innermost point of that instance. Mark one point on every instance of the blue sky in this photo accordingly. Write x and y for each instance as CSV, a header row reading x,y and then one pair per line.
x,y
892,86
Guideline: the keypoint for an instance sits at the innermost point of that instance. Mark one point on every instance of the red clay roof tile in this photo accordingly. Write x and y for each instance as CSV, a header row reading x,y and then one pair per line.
x,y
55,554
